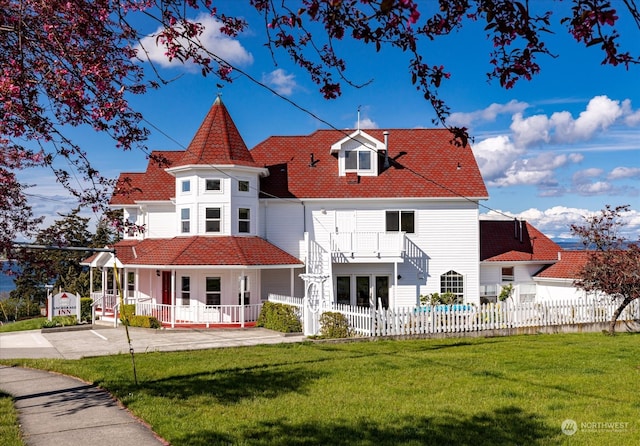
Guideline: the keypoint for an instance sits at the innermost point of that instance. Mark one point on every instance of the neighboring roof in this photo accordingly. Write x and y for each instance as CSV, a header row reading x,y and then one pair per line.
x,y
514,241
217,141
423,163
210,251
153,185
568,266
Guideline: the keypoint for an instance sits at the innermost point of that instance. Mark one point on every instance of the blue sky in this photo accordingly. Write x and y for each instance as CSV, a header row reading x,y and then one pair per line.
x,y
551,150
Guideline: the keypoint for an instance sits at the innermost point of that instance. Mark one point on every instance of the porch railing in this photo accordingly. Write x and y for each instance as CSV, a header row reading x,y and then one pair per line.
x,y
367,244
200,314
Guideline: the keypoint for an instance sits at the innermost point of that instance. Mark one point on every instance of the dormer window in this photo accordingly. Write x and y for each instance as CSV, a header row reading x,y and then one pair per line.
x,y
357,160
358,153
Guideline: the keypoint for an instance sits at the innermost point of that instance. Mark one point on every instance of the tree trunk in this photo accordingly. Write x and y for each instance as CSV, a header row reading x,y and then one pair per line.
x,y
616,314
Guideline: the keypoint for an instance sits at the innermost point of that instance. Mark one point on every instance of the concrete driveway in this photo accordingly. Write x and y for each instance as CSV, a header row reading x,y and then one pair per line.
x,y
100,340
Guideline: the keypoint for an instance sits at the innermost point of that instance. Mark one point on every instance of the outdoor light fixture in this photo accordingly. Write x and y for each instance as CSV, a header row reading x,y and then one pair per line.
x,y
158,272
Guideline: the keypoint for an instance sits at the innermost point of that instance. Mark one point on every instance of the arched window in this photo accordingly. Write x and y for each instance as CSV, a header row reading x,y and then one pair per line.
x,y
453,282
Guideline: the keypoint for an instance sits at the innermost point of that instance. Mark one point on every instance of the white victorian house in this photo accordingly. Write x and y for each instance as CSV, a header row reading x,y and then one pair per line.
x,y
366,218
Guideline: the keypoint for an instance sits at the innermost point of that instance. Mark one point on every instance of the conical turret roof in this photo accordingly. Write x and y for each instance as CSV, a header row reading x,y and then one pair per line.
x,y
217,141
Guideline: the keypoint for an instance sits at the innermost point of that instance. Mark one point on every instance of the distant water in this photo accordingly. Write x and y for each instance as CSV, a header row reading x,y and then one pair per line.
x,y
6,281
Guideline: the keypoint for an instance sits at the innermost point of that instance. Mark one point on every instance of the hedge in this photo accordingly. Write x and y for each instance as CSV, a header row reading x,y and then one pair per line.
x,y
279,317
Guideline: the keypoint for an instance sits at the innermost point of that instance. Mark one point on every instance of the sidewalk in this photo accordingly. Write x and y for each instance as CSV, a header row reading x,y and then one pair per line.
x,y
59,410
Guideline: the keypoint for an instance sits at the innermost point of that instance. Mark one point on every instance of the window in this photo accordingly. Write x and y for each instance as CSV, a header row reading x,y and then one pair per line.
x,y
453,282
357,159
212,185
243,186
400,221
185,222
186,186
244,296
362,291
131,283
186,290
507,274
213,288
244,222
212,220
343,290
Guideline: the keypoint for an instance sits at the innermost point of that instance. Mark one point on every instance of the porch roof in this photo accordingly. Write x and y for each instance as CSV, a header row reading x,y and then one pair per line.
x,y
203,251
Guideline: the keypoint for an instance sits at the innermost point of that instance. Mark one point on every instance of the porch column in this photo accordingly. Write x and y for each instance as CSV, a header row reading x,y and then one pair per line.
x,y
242,285
395,284
173,298
292,282
125,285
104,290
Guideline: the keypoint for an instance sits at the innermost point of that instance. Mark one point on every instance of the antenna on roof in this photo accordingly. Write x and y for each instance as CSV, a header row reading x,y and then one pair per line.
x,y
359,117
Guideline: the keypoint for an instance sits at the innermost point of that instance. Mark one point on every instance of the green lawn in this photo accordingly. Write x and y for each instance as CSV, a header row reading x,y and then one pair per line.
x,y
27,324
498,391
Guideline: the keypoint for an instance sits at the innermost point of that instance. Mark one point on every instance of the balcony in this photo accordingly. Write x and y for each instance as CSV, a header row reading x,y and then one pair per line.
x,y
367,245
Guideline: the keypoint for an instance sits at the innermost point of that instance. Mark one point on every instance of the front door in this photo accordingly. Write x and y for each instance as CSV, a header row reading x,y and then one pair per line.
x,y
166,287
382,291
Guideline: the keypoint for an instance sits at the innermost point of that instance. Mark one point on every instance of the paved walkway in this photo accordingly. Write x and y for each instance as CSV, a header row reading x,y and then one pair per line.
x,y
54,409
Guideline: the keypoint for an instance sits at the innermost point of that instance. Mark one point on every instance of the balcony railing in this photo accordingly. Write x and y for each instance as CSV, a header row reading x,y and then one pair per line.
x,y
367,244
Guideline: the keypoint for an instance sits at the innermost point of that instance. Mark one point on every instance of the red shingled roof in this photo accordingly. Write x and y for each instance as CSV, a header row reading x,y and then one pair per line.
x,y
241,251
568,267
499,241
423,163
153,185
217,141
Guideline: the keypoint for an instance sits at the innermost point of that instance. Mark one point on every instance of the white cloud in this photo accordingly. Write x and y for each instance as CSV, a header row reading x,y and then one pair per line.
x,y
495,155
367,123
280,81
600,114
501,164
488,114
530,130
585,175
624,172
212,39
556,221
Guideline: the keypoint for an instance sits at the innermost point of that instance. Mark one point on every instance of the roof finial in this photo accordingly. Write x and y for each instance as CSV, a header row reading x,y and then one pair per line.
x,y
359,117
218,97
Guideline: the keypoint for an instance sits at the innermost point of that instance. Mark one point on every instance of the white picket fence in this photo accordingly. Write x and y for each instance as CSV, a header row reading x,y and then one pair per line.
x,y
471,318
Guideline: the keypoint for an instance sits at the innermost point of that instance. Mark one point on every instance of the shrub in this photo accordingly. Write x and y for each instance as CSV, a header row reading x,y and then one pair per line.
x,y
127,312
279,317
85,309
60,321
144,322
446,298
334,325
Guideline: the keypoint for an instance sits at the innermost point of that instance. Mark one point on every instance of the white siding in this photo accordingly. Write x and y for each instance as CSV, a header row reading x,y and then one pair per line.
x,y
446,238
161,221
283,225
557,290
